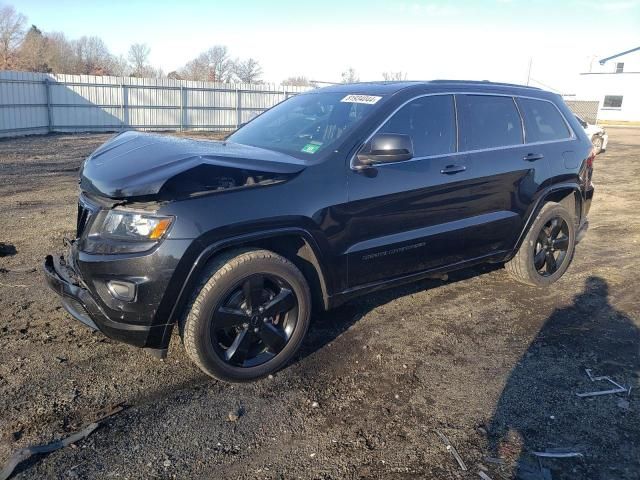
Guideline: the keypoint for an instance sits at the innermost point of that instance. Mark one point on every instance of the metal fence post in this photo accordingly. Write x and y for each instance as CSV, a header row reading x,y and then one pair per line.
x,y
181,108
238,108
47,88
122,121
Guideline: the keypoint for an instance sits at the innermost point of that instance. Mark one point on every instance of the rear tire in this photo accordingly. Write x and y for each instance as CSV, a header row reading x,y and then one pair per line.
x,y
547,249
248,316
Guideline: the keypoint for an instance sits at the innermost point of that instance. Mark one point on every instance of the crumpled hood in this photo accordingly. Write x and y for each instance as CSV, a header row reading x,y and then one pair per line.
x,y
135,164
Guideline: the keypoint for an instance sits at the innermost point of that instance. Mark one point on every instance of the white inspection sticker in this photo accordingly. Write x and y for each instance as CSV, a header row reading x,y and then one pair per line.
x,y
368,99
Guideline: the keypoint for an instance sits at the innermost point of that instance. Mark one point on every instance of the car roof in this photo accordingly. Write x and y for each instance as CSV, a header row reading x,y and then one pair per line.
x,y
391,87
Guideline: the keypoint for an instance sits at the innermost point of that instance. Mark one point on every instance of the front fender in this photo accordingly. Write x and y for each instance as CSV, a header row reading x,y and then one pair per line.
x,y
204,250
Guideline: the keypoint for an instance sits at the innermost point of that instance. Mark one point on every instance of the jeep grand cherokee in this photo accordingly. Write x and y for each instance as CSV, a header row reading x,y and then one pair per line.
x,y
330,194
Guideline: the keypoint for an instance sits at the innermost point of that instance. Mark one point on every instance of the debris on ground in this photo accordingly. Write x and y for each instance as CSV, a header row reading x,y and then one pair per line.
x,y
27,452
619,388
623,403
484,476
527,471
452,450
557,454
235,415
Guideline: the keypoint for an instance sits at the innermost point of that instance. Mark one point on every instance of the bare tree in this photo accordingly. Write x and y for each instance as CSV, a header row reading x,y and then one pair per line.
x,y
139,59
51,52
11,34
218,63
194,70
212,65
247,71
297,82
394,76
32,55
59,53
350,76
92,56
119,67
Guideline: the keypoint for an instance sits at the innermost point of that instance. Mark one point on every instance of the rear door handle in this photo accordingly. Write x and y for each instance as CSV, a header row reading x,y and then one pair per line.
x,y
532,157
451,169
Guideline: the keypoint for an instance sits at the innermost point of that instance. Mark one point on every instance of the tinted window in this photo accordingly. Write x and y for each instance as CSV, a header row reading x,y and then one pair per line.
x,y
486,121
431,123
542,121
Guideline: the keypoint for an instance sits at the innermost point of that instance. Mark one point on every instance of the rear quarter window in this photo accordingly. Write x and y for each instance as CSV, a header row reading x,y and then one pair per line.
x,y
542,121
487,121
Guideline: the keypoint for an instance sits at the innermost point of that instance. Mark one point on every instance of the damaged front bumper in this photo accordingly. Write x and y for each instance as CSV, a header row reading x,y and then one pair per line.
x,y
79,302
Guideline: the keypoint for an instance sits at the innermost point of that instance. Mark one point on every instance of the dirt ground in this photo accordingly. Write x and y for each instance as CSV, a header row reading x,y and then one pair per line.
x,y
492,364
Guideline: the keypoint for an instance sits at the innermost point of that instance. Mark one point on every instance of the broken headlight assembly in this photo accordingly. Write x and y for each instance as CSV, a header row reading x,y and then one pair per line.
x,y
124,231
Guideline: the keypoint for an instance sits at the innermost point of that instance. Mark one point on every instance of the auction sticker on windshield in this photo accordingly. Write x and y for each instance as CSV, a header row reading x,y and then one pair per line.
x,y
367,99
312,147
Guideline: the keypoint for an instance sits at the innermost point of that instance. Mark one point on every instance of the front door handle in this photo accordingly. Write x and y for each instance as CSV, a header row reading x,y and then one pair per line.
x,y
532,157
451,169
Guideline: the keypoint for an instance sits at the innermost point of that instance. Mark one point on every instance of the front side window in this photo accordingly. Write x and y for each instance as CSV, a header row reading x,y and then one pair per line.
x,y
487,121
612,101
307,124
542,121
430,122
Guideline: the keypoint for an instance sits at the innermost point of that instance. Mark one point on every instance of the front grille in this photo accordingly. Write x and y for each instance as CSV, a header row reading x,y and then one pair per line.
x,y
86,211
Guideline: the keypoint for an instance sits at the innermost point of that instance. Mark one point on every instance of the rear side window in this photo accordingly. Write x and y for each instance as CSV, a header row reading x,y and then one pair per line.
x,y
431,123
542,121
487,121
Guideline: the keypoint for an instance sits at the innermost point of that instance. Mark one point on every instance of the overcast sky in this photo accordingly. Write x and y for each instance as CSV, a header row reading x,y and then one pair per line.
x,y
491,39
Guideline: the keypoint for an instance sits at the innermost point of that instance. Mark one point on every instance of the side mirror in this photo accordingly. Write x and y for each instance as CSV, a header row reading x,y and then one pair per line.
x,y
386,148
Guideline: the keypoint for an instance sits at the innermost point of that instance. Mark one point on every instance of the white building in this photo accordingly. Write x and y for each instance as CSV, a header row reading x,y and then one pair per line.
x,y
614,81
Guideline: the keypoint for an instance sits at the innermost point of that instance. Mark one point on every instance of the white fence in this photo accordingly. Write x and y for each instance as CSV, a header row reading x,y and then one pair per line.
x,y
585,109
35,103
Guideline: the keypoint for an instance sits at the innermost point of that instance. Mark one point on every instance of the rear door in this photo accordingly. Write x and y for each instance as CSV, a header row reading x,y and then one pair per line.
x,y
507,173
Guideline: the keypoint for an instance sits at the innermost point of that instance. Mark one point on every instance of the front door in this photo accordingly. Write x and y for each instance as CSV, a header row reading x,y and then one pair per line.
x,y
409,216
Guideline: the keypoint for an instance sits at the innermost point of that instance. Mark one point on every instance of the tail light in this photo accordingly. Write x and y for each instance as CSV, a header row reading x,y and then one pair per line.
x,y
591,157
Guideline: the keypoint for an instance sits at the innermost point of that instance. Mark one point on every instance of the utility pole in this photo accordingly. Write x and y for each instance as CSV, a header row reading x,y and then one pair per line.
x,y
529,71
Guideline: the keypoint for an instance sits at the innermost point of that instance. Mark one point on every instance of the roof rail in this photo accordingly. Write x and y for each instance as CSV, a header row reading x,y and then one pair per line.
x,y
484,82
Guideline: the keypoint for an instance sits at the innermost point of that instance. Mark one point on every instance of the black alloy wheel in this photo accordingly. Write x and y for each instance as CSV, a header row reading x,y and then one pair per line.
x,y
254,321
551,246
548,246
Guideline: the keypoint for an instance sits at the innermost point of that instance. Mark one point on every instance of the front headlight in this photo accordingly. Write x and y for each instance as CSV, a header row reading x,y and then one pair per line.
x,y
122,231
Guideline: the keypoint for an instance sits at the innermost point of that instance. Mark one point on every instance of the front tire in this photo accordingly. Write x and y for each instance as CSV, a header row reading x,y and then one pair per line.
x,y
248,317
547,249
597,145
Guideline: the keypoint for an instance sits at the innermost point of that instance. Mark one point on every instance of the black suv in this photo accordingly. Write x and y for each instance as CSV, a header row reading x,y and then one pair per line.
x,y
330,194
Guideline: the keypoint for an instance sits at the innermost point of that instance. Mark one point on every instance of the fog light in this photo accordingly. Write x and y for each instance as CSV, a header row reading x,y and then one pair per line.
x,y
125,291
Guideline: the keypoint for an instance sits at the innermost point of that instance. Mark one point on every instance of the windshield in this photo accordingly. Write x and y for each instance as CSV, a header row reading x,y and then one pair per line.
x,y
306,124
